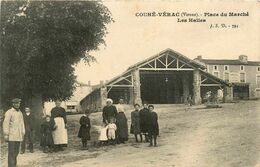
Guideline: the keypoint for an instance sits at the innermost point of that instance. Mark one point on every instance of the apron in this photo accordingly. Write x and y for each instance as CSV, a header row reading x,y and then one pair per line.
x,y
60,135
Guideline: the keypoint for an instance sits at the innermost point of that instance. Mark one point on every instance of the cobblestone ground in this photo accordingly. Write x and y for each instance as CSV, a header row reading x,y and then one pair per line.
x,y
189,137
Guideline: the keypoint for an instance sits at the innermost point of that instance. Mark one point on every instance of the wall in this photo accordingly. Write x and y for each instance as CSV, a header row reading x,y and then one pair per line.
x,y
92,102
250,72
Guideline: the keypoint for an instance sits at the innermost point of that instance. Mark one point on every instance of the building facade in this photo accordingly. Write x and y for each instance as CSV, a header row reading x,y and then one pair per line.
x,y
165,78
243,74
73,104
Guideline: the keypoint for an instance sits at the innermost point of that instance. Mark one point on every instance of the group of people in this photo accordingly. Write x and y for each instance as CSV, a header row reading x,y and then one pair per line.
x,y
18,128
144,122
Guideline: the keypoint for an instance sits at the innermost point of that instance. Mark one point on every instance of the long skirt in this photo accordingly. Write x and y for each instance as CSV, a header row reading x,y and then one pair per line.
x,y
46,140
60,135
122,128
84,132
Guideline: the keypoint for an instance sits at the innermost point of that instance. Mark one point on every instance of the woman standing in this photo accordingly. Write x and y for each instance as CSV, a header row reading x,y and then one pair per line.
x,y
109,111
135,123
60,135
121,122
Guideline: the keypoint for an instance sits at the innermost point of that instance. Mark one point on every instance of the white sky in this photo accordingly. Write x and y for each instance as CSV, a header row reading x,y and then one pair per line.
x,y
132,39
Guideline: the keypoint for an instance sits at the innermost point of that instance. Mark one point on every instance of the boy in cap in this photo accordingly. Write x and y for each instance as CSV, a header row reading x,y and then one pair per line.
x,y
28,137
14,130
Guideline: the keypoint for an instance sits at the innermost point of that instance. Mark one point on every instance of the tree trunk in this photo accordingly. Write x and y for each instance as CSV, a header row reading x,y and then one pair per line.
x,y
37,110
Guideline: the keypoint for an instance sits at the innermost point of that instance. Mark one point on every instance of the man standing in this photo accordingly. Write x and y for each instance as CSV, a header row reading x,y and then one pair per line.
x,y
14,131
60,134
28,137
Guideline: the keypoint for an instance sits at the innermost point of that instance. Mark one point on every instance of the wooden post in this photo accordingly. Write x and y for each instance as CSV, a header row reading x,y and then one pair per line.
x,y
137,87
196,87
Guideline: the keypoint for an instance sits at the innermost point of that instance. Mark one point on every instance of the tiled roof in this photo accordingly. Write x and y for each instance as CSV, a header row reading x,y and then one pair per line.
x,y
229,62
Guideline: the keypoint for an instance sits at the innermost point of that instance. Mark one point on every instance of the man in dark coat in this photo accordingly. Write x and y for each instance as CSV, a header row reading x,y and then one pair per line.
x,y
144,113
109,111
28,118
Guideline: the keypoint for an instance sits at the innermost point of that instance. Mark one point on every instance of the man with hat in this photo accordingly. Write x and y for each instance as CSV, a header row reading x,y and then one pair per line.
x,y
14,130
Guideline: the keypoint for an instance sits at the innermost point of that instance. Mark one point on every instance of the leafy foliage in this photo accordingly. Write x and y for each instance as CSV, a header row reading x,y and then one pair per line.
x,y
42,40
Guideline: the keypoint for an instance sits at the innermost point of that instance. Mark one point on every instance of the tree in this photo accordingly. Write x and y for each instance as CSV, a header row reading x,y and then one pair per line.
x,y
40,43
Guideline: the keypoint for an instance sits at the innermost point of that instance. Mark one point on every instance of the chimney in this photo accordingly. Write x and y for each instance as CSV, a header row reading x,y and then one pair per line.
x,y
101,83
243,58
89,83
199,57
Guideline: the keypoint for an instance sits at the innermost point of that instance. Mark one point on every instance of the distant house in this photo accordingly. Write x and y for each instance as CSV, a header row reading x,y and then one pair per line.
x,y
243,74
165,78
73,104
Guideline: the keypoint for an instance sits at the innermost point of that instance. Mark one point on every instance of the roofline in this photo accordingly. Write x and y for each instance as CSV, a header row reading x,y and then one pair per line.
x,y
216,78
89,94
164,51
205,61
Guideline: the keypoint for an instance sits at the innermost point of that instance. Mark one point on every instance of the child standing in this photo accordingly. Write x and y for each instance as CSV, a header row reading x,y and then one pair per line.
x,y
111,134
46,134
144,113
135,123
84,130
103,135
28,118
153,130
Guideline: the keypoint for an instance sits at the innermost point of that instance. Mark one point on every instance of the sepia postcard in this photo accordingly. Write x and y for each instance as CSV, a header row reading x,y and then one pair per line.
x,y
119,83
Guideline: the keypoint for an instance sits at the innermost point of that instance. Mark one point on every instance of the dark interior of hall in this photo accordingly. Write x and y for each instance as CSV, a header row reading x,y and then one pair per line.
x,y
117,93
165,87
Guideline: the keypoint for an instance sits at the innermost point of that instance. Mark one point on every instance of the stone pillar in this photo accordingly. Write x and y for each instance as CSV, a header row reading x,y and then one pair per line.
x,y
131,95
137,87
103,95
186,89
196,87
228,94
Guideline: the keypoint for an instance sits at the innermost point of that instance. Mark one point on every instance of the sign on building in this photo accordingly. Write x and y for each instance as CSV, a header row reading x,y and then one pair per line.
x,y
234,77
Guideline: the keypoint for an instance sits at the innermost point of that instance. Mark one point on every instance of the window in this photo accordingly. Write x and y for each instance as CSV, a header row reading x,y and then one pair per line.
x,y
226,68
258,80
226,76
70,107
242,68
215,67
215,73
258,69
242,77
